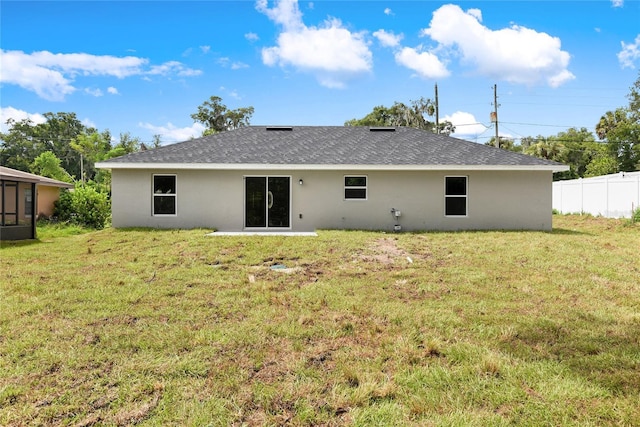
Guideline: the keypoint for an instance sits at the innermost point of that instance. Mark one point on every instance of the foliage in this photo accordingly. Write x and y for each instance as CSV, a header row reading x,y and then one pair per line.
x,y
621,130
218,118
603,163
85,205
635,217
47,164
24,141
578,147
575,147
399,114
508,144
168,327
545,148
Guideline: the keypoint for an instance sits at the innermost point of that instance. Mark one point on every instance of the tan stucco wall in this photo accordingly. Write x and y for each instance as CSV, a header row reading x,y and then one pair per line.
x,y
47,196
215,199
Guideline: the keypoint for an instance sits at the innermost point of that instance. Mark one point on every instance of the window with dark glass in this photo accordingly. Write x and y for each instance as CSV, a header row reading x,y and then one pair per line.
x,y
164,194
28,202
355,187
455,196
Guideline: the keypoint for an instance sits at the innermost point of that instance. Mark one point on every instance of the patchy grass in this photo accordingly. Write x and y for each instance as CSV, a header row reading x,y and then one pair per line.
x,y
151,327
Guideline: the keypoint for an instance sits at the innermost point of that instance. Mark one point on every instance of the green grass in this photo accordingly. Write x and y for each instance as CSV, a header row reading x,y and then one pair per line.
x,y
153,327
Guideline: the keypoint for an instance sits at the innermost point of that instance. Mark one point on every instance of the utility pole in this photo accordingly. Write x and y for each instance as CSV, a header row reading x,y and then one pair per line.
x,y
494,114
437,112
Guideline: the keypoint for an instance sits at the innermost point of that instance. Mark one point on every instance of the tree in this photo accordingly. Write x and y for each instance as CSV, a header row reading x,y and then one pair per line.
x,y
573,147
218,118
545,149
621,131
508,144
92,147
57,133
603,164
24,141
47,164
579,147
399,114
18,147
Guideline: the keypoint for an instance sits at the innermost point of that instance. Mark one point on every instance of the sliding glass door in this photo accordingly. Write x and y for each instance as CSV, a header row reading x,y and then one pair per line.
x,y
267,202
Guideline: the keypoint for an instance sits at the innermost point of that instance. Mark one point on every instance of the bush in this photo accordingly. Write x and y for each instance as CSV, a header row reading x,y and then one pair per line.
x,y
83,206
635,216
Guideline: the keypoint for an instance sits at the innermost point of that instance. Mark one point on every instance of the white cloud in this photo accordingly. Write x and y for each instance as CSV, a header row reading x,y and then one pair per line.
x,y
94,92
330,52
388,39
112,90
173,67
515,54
205,49
171,133
388,11
426,64
465,123
227,63
239,65
285,13
630,53
617,3
51,76
7,113
89,123
252,37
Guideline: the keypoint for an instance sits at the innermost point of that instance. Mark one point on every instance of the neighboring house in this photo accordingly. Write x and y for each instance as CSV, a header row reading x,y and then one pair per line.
x,y
612,196
19,209
304,178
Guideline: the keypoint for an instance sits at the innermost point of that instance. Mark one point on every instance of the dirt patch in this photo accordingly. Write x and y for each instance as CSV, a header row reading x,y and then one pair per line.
x,y
385,251
136,415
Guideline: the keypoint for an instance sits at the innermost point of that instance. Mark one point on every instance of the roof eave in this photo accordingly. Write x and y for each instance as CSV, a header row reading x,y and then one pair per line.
x,y
270,166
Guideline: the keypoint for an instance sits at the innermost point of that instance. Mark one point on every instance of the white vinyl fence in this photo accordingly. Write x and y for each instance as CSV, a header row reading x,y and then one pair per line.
x,y
611,196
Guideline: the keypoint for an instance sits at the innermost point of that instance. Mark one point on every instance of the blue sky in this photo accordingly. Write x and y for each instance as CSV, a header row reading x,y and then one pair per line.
x,y
144,67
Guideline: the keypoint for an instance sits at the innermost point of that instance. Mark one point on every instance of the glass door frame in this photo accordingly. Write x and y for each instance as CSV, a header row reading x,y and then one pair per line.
x,y
244,203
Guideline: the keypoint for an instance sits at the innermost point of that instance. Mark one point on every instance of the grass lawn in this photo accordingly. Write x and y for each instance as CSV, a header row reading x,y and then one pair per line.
x,y
151,327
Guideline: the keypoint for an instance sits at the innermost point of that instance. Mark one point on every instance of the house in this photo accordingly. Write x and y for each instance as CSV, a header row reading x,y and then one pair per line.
x,y
18,212
303,178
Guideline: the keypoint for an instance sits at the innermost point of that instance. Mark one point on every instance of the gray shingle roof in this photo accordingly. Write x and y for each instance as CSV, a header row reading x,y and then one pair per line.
x,y
329,145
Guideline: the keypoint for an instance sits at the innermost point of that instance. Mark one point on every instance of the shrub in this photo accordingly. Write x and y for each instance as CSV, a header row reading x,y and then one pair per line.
x,y
83,206
635,216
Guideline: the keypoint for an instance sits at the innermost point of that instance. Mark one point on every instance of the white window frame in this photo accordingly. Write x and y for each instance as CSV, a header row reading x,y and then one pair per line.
x,y
458,196
154,195
355,187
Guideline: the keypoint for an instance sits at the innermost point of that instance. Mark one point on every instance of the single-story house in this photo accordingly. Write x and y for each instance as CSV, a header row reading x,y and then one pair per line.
x,y
303,178
18,212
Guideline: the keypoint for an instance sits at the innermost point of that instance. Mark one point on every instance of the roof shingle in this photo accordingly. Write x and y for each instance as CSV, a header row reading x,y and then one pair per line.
x,y
330,145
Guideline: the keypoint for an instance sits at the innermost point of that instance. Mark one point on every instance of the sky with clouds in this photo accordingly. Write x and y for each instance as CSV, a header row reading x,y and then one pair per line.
x,y
144,67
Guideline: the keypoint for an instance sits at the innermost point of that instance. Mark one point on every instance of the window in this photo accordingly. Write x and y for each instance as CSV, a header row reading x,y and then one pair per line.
x,y
27,202
355,187
164,194
455,196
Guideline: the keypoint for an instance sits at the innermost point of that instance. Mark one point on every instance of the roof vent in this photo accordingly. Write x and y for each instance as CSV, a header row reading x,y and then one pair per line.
x,y
276,128
382,129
